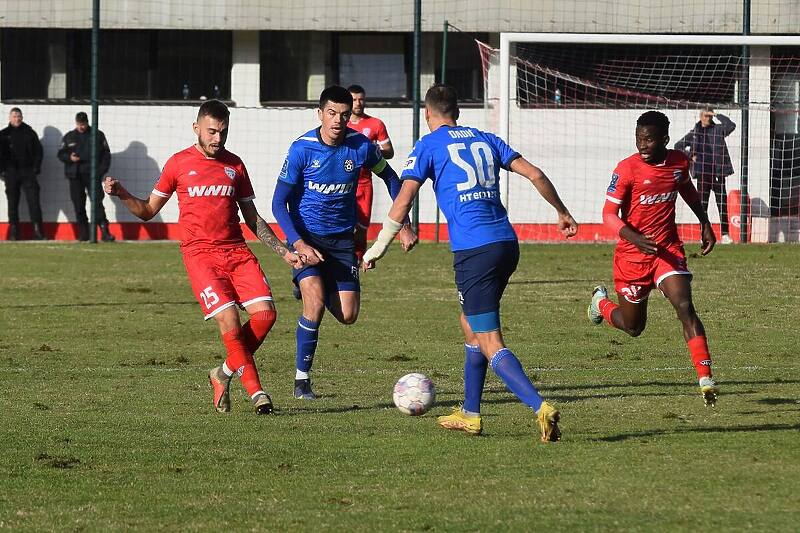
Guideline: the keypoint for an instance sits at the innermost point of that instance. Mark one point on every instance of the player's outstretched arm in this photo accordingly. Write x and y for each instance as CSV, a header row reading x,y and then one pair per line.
x,y
408,239
265,234
393,223
566,223
690,195
143,209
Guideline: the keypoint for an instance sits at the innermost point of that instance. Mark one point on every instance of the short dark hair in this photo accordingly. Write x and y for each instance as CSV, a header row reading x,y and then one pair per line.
x,y
442,99
654,118
336,94
81,118
214,109
15,110
358,89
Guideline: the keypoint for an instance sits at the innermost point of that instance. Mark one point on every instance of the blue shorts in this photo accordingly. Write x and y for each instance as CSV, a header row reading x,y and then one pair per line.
x,y
481,277
339,270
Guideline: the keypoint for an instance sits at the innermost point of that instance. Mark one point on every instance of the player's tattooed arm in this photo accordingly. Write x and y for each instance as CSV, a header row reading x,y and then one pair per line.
x,y
268,237
265,234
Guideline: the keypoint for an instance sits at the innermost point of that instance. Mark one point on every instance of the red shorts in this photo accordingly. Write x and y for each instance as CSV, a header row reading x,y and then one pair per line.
x,y
223,277
635,274
364,201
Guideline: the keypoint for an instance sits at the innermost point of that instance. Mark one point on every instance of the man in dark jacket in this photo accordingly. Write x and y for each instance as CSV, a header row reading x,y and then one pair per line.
x,y
711,162
76,154
20,163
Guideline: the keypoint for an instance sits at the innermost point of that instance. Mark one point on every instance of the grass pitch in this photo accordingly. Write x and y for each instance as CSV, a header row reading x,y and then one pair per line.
x,y
107,421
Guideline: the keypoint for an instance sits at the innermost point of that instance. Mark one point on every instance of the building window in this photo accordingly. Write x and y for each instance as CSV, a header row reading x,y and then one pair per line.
x,y
19,50
463,70
152,65
377,62
134,64
294,64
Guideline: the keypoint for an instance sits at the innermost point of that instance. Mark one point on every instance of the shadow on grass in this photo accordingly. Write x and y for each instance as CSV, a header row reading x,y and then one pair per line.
x,y
548,281
669,384
99,304
733,429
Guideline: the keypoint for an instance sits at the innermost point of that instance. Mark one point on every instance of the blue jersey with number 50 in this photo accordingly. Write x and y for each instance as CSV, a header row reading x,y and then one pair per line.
x,y
464,165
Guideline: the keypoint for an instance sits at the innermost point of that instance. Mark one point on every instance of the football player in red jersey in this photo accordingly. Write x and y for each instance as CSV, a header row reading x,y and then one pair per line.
x,y
373,129
649,253
212,186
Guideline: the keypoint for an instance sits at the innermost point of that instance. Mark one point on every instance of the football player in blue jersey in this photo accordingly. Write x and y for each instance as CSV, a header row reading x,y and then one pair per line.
x,y
315,205
464,164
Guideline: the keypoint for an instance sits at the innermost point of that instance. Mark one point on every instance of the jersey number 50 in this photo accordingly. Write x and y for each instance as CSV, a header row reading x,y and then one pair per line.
x,y
483,171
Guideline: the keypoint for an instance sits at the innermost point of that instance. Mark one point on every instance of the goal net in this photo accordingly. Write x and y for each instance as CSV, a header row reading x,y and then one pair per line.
x,y
571,108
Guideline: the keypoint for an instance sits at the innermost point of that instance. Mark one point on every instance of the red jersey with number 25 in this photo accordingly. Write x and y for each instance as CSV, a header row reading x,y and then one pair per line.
x,y
646,195
208,191
373,129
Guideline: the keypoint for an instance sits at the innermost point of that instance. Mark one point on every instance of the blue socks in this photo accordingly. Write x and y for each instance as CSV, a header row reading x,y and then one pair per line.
x,y
307,334
508,368
475,365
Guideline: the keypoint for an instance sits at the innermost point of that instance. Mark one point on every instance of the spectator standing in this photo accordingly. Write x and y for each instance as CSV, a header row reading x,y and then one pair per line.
x,y
20,163
711,163
76,154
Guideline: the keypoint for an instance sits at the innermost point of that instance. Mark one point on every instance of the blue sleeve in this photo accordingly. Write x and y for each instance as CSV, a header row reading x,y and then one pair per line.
x,y
280,210
292,170
505,153
418,165
389,177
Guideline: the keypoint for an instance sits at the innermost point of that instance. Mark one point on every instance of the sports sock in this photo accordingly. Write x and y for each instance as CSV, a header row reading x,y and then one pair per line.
x,y
606,308
240,359
475,365
227,370
299,374
698,349
508,368
255,330
307,334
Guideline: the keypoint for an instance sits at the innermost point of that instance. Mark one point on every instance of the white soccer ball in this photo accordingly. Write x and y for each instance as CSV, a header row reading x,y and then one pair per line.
x,y
414,394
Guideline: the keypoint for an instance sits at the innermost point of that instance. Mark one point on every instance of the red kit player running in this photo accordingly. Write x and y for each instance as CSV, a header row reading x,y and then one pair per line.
x,y
644,187
375,130
212,186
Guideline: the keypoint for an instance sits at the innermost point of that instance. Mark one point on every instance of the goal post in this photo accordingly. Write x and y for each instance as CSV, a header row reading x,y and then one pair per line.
x,y
569,103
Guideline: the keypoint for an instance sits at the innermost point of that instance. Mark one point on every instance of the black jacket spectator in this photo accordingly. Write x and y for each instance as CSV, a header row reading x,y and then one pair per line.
x,y
707,148
75,142
21,149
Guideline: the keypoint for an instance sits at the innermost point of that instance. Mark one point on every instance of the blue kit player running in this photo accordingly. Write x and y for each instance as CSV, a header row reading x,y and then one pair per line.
x,y
315,205
464,163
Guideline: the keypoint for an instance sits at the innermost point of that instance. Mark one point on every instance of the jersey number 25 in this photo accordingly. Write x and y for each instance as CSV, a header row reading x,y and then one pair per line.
x,y
483,171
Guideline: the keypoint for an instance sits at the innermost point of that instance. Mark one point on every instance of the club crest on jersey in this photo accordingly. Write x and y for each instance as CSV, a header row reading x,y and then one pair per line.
x,y
366,132
230,172
349,166
677,174
612,187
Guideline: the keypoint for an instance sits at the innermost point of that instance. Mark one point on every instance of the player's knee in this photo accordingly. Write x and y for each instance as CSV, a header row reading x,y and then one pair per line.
x,y
685,311
635,331
348,317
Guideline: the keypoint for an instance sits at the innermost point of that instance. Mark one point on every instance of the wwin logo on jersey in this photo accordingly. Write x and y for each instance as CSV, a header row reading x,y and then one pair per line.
x,y
211,190
650,199
330,188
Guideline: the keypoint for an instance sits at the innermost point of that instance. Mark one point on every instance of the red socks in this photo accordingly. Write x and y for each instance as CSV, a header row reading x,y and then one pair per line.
x,y
255,330
606,308
698,348
240,360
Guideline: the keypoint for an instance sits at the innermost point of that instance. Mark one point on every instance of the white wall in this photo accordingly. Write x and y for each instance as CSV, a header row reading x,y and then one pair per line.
x,y
578,149
142,138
